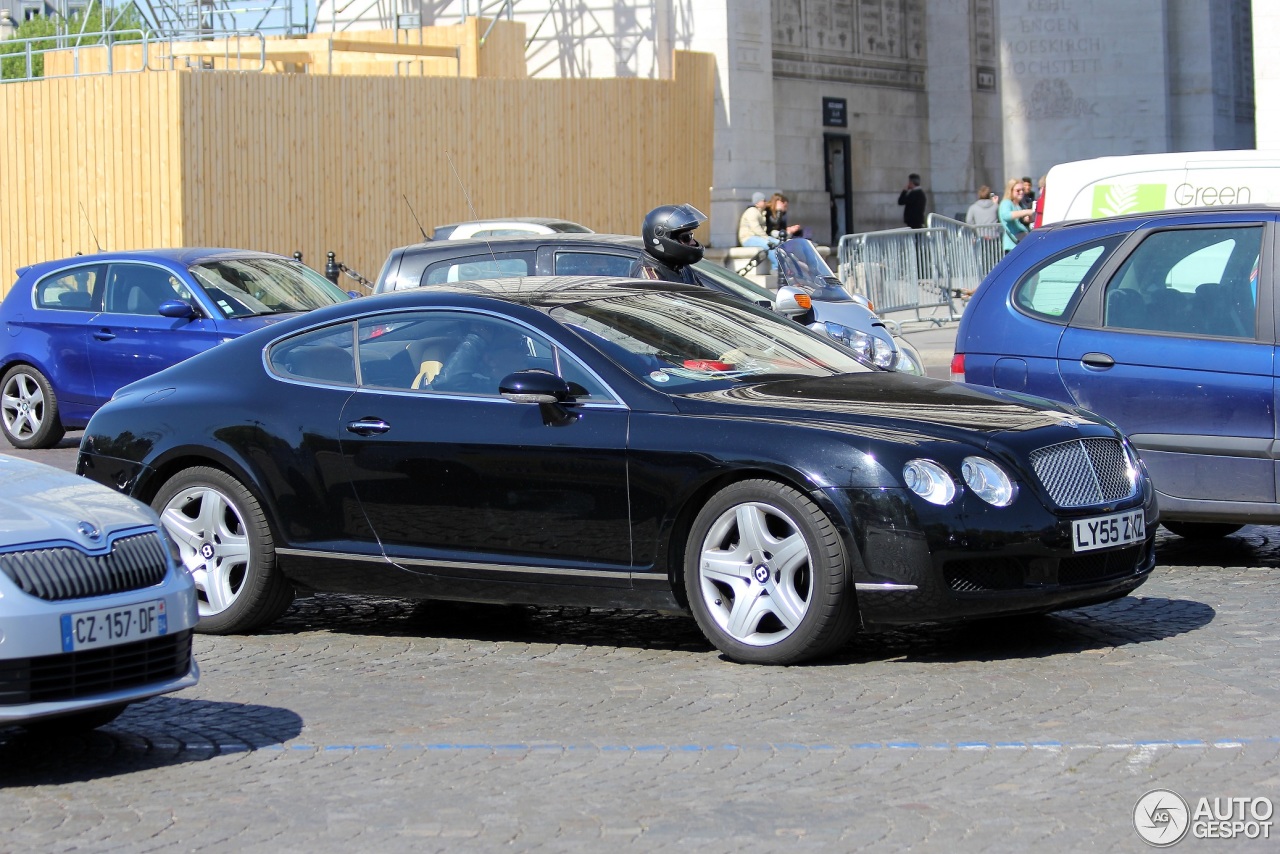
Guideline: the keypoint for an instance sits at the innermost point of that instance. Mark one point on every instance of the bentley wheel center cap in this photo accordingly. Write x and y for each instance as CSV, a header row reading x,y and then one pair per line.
x,y
206,551
761,572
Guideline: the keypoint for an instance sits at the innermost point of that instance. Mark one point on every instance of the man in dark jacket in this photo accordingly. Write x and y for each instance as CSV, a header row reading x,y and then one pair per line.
x,y
913,201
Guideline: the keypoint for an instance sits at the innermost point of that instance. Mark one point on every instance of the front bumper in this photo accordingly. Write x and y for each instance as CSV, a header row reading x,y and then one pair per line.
x,y
38,679
927,564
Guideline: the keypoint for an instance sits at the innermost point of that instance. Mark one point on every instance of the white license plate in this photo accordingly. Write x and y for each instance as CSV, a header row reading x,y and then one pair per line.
x,y
110,626
1104,532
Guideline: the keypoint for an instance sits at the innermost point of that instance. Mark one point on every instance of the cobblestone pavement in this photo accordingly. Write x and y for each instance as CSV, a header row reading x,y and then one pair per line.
x,y
357,724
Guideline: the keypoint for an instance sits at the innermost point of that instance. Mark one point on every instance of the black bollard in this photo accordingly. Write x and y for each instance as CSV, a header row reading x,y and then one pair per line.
x,y
331,269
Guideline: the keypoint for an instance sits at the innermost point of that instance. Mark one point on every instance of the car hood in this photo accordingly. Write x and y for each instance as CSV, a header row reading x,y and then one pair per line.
x,y
887,400
244,325
40,504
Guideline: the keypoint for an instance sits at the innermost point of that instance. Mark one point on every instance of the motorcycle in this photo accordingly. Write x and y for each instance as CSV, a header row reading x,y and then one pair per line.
x,y
803,276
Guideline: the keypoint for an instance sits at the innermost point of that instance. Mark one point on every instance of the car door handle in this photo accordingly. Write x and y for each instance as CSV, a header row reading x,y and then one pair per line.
x,y
368,427
104,335
1097,360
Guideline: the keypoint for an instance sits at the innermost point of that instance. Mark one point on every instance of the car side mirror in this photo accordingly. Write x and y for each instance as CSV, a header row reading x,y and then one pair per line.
x,y
791,302
178,309
544,388
534,386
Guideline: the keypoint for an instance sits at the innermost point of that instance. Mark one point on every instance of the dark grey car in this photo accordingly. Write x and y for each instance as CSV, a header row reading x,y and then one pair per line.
x,y
441,262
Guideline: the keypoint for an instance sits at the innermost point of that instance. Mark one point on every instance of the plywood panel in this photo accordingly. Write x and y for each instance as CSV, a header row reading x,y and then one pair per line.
x,y
319,163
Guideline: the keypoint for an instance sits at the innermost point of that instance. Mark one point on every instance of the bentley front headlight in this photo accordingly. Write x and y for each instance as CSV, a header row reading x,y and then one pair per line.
x,y
988,481
930,481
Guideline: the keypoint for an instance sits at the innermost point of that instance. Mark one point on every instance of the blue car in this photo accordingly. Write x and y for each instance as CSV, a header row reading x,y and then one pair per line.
x,y
82,327
1163,322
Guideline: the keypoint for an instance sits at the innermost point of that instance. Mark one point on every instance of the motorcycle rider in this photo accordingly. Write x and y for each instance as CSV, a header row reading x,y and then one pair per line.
x,y
669,245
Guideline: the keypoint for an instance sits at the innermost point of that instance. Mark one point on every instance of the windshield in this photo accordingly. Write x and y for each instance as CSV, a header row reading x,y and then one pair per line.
x,y
733,283
800,266
675,341
242,287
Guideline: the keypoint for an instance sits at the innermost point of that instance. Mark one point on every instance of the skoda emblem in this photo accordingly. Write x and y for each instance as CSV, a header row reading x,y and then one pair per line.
x,y
206,551
761,573
87,530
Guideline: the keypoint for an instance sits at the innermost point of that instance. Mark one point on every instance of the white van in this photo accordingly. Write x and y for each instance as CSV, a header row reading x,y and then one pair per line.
x,y
1108,186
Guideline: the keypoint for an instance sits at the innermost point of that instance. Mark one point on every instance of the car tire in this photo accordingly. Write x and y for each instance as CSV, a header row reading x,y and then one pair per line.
x,y
76,721
29,412
227,546
767,577
1202,530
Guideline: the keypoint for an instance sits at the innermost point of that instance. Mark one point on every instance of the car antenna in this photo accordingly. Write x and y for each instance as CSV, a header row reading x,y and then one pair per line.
x,y
470,206
425,239
85,214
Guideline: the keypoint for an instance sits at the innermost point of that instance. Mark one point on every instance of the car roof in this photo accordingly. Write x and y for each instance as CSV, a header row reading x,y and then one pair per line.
x,y
1170,216
534,220
518,242
535,291
185,256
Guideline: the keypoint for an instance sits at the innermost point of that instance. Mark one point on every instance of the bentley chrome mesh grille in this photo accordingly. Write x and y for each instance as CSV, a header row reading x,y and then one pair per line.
x,y
1084,472
64,572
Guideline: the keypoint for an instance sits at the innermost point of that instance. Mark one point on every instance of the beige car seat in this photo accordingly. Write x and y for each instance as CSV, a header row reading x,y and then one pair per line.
x,y
428,357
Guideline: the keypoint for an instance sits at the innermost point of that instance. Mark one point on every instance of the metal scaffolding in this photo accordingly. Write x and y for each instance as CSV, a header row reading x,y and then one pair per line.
x,y
179,19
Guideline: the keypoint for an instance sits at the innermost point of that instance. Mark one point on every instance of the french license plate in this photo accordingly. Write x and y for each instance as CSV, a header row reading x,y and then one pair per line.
x,y
1104,532
110,626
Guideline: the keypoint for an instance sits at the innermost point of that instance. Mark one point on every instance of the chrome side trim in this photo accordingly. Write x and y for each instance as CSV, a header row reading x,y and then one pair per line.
x,y
865,585
335,555
456,564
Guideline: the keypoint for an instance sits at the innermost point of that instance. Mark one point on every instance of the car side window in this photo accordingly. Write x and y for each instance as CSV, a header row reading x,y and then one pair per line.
x,y
476,267
1189,281
140,289
320,355
593,264
70,290
1052,287
461,352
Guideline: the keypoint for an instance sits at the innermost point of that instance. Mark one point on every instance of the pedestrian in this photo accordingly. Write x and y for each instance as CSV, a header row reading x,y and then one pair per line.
x,y
776,219
1013,217
753,228
913,201
984,210
1028,194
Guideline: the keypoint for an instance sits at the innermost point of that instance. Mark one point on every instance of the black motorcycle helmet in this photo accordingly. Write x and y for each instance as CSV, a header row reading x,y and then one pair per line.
x,y
668,234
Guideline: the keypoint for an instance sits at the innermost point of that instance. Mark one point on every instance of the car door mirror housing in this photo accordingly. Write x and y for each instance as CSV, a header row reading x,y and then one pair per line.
x,y
177,308
534,386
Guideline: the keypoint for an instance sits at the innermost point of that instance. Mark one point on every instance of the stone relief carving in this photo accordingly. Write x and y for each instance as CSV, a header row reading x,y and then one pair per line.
x,y
1053,99
868,41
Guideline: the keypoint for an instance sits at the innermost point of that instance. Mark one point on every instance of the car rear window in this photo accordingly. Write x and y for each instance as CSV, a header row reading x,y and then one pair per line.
x,y
1052,287
477,267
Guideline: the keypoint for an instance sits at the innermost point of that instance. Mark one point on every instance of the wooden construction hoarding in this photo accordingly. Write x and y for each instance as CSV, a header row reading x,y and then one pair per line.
x,y
318,163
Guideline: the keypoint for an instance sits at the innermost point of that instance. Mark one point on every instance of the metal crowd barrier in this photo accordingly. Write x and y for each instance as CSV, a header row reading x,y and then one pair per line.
x,y
973,250
912,269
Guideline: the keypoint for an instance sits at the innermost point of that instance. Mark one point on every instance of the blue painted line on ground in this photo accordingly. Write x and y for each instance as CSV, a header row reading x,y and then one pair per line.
x,y
777,747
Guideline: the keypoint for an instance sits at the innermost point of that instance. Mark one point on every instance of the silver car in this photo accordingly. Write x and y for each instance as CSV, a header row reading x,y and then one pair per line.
x,y
95,613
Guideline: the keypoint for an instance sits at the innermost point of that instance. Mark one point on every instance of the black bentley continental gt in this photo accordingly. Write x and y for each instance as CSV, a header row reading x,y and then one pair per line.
x,y
622,444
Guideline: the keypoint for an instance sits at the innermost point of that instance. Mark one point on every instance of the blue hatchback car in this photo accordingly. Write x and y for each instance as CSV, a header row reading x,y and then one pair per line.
x,y
1164,323
82,327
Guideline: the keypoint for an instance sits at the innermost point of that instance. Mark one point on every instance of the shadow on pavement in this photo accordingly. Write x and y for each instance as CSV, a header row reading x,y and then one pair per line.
x,y
1130,620
158,733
